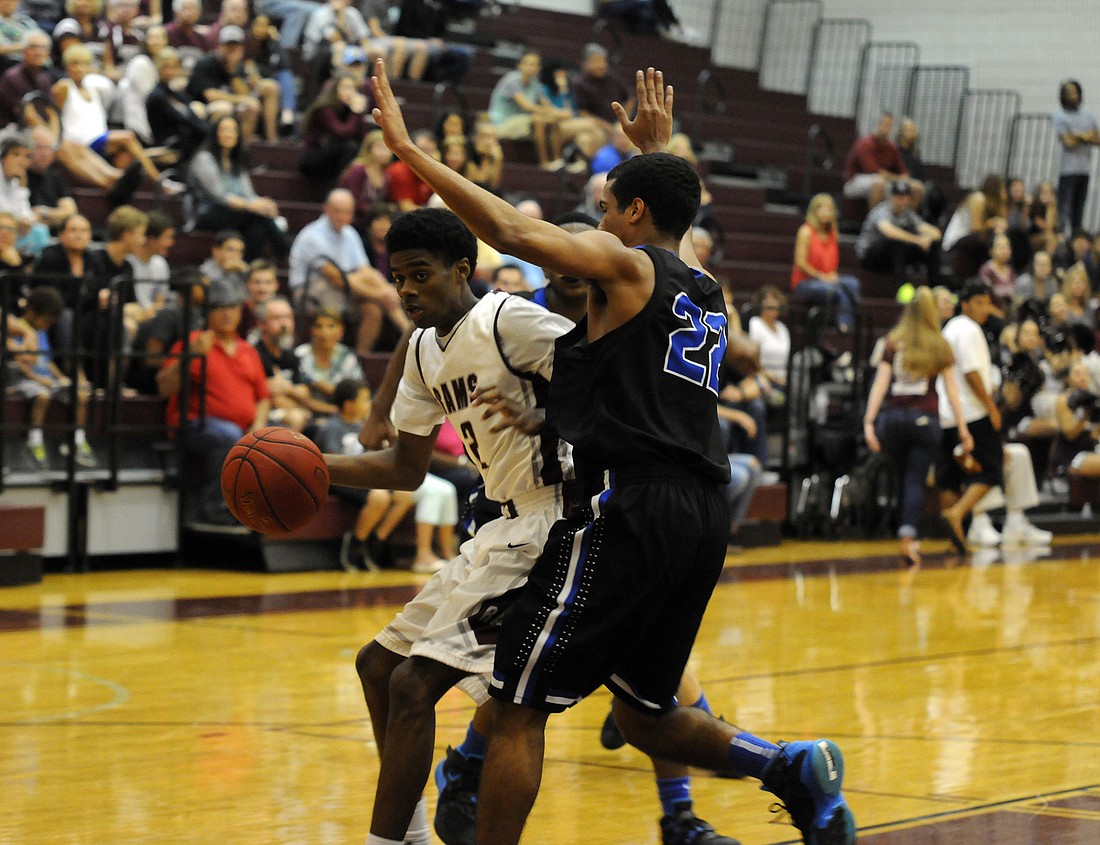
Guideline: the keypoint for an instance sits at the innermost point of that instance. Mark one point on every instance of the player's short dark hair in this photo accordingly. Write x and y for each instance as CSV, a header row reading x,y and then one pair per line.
x,y
158,223
437,231
974,287
45,301
346,391
667,184
575,217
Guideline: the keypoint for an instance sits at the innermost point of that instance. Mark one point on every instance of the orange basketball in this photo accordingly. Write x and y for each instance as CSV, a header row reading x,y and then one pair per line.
x,y
274,480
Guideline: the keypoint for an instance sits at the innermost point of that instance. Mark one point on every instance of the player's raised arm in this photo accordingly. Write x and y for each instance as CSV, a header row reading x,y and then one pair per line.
x,y
594,255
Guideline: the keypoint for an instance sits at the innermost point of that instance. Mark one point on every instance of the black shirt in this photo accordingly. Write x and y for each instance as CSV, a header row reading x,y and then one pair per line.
x,y
208,73
47,188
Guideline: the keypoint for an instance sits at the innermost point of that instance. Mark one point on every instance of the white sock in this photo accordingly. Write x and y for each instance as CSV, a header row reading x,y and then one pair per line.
x,y
378,840
980,520
79,436
34,437
1015,520
420,830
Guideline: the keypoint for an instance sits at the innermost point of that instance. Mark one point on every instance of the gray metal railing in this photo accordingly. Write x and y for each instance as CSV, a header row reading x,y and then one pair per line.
x,y
984,134
1032,149
935,101
883,84
787,44
833,73
736,39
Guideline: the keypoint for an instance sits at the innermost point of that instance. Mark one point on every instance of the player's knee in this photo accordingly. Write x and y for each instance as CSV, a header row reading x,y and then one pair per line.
x,y
633,725
374,664
412,690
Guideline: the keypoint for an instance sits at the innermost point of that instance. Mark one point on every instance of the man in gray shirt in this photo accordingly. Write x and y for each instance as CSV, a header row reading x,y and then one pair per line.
x,y
894,236
1076,130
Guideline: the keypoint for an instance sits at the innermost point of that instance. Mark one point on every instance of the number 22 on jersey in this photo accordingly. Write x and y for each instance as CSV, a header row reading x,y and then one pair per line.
x,y
695,351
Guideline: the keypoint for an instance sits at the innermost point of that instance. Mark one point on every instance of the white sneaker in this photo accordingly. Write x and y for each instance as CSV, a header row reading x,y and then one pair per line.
x,y
1027,535
982,533
429,568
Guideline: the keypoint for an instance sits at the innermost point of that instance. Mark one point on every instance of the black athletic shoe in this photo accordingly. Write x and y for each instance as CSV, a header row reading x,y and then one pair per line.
x,y
807,777
379,551
610,738
685,828
127,185
457,778
349,548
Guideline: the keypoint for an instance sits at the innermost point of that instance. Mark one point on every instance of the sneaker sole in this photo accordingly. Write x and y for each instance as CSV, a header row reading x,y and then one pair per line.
x,y
823,776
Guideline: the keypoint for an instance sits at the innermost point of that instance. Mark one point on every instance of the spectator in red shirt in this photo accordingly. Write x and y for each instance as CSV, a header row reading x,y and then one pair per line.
x,y
407,189
873,163
236,396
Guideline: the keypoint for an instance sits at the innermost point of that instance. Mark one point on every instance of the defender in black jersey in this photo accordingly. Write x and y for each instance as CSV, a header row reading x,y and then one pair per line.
x,y
617,595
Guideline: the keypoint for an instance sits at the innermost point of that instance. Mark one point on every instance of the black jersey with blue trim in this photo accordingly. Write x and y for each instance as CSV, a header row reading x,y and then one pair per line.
x,y
646,393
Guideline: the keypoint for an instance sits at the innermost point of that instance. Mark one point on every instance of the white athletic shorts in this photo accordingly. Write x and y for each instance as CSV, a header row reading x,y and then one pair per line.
x,y
455,619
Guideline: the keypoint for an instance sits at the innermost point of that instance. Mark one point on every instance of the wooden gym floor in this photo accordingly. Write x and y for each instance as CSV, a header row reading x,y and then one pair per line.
x,y
184,706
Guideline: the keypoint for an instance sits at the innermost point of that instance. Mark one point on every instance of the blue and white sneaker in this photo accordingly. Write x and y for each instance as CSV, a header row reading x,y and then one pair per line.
x,y
457,778
806,777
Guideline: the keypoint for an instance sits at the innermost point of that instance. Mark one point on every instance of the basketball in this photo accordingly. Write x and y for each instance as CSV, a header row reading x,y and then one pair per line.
x,y
274,480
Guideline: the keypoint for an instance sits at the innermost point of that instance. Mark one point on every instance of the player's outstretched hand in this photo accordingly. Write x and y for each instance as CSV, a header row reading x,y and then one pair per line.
x,y
651,128
387,113
527,422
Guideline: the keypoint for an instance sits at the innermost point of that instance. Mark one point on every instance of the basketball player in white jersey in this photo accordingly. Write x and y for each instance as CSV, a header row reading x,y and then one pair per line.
x,y
446,636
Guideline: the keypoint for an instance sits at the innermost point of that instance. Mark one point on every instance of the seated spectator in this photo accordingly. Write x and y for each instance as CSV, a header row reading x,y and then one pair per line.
x,y
65,266
405,57
50,197
581,134
10,256
365,177
427,21
40,380
970,231
617,150
261,286
85,25
233,394
774,340
379,220
1092,264
331,27
534,277
642,17
324,360
15,197
703,243
14,27
266,57
168,326
149,261
893,236
81,98
185,33
740,391
680,145
509,278
1043,228
1070,252
814,277
1026,397
1061,336
997,272
487,168
874,163
123,40
175,120
1075,288
365,546
329,269
593,196
407,189
226,265
1078,417
139,77
223,197
230,13
293,14
1040,283
1017,223
596,87
331,128
520,108
220,79
292,404
934,201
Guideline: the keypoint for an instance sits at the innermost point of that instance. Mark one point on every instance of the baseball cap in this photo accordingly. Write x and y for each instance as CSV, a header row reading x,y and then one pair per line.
x,y
231,34
224,295
354,55
67,27
901,188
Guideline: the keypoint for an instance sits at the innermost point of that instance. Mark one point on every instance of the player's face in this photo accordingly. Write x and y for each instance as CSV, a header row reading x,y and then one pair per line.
x,y
431,291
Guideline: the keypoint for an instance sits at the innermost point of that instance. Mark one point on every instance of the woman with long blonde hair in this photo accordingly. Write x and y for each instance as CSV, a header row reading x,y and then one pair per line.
x,y
908,428
814,277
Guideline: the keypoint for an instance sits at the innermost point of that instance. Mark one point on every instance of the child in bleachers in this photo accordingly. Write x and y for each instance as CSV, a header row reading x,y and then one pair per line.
x,y
380,512
40,380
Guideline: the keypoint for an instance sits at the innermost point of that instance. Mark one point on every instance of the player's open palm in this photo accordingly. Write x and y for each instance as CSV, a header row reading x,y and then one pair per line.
x,y
387,112
651,128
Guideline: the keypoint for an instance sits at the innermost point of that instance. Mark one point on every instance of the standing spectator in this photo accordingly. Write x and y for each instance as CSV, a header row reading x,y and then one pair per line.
x,y
774,340
520,108
874,163
223,196
1077,130
14,27
51,198
149,261
407,189
235,398
596,87
1040,283
226,265
331,128
219,79
905,391
365,177
175,120
893,236
15,157
814,277
331,249
997,272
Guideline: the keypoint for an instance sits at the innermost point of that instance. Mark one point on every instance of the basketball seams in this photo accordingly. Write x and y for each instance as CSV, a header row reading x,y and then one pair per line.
x,y
267,499
289,471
